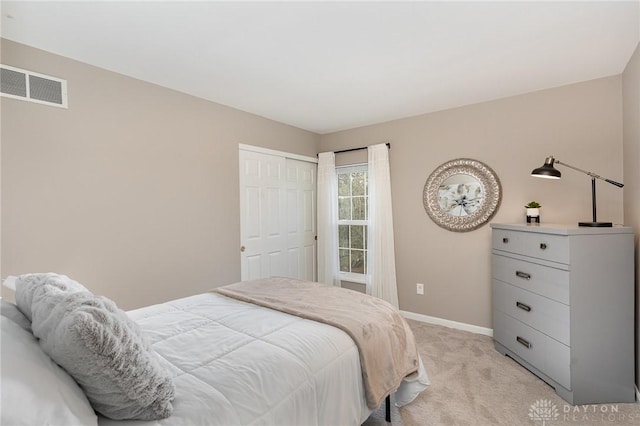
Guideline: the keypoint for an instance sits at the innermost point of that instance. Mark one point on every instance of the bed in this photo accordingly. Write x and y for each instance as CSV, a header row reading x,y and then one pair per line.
x,y
217,360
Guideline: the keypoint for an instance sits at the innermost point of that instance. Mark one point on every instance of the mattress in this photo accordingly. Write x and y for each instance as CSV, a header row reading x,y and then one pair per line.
x,y
235,363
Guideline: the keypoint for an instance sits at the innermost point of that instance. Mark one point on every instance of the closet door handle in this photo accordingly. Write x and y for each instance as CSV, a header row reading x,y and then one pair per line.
x,y
523,342
524,275
523,306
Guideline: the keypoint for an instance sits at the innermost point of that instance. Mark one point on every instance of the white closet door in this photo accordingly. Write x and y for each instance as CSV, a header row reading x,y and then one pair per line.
x,y
262,215
277,216
301,219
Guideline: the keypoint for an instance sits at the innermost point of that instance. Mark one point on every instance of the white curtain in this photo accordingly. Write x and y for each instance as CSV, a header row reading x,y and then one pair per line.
x,y
327,218
381,266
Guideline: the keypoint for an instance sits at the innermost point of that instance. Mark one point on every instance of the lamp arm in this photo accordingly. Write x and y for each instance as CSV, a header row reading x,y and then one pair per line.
x,y
593,175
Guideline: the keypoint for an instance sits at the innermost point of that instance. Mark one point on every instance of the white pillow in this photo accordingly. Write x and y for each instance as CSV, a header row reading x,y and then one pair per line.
x,y
10,282
11,311
35,391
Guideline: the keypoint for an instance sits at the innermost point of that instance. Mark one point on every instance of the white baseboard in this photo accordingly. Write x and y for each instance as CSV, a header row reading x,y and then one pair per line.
x,y
448,323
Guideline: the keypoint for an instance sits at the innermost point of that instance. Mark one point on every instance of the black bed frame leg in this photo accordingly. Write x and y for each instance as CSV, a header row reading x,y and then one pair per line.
x,y
387,403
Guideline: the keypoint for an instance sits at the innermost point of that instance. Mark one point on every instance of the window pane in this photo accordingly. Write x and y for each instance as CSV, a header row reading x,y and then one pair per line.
x,y
344,260
357,238
359,208
343,184
366,208
357,261
343,233
366,184
352,206
344,208
358,183
365,230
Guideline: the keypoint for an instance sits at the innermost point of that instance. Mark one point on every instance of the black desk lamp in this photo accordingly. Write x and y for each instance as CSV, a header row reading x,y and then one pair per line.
x,y
548,171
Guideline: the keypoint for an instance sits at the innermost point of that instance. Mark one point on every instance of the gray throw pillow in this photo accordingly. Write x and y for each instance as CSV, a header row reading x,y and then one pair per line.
x,y
105,352
30,285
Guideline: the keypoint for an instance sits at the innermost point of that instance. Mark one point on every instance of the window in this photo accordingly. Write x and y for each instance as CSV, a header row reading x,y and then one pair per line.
x,y
353,216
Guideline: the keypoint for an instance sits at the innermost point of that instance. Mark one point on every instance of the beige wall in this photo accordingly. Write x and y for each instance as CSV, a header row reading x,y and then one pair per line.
x,y
580,124
133,190
631,146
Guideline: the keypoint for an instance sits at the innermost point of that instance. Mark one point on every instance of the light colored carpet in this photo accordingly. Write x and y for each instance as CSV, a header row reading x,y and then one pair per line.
x,y
472,384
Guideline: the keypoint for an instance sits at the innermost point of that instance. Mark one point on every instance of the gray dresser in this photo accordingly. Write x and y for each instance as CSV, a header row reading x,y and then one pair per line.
x,y
563,307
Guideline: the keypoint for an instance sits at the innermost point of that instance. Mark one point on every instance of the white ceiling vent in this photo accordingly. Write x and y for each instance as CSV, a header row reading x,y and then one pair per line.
x,y
29,86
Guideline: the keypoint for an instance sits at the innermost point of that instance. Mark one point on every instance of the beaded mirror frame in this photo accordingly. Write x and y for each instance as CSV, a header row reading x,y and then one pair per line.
x,y
461,195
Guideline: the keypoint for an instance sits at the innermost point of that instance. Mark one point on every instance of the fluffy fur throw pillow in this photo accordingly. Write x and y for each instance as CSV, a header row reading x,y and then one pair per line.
x,y
104,351
30,285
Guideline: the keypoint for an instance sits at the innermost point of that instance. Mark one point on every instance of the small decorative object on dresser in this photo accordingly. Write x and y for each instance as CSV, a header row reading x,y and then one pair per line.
x,y
563,307
533,212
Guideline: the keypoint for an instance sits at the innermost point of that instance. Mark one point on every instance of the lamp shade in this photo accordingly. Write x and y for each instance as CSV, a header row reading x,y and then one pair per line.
x,y
547,170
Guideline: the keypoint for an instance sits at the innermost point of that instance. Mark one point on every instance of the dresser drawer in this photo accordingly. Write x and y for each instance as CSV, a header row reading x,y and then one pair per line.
x,y
554,248
545,315
543,280
543,352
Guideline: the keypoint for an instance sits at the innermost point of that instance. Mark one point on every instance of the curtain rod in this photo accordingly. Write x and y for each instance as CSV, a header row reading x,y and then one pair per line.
x,y
388,144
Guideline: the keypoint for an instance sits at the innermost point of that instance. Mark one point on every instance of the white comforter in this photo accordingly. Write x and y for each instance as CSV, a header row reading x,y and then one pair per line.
x,y
240,364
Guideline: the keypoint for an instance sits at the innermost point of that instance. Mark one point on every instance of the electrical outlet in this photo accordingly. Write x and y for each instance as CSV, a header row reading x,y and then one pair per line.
x,y
419,288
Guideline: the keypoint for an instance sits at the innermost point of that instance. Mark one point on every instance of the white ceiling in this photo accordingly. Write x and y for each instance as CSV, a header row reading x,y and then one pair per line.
x,y
327,66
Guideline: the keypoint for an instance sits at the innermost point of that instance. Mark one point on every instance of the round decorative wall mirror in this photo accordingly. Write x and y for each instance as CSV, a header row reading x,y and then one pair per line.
x,y
462,195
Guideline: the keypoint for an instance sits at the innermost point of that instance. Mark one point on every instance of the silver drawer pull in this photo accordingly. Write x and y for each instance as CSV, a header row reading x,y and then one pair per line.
x,y
523,275
543,246
523,342
523,306
505,240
